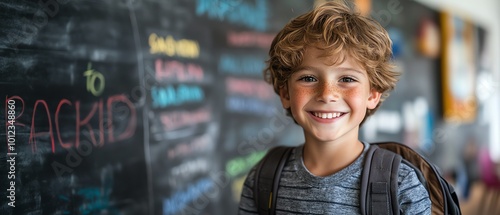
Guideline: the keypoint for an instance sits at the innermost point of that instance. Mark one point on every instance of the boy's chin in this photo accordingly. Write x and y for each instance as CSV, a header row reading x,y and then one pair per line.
x,y
324,138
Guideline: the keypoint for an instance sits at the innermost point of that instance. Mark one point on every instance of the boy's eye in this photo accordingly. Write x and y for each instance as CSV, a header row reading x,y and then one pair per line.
x,y
308,79
347,79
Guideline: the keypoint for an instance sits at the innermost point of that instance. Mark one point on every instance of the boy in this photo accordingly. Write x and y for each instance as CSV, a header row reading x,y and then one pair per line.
x,y
331,69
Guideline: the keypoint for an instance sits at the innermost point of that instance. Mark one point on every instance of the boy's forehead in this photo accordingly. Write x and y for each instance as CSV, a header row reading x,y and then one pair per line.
x,y
330,57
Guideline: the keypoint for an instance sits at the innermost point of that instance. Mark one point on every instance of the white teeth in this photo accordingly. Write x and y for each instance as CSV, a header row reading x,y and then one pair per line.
x,y
326,115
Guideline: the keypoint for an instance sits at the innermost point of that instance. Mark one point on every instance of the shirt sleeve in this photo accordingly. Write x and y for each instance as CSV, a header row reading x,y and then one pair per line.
x,y
412,194
247,202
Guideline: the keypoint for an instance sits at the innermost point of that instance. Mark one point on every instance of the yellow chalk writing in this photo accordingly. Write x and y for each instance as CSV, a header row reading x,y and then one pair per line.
x,y
169,46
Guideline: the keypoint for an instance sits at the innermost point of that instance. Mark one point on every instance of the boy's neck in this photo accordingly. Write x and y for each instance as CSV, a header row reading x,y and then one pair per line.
x,y
323,159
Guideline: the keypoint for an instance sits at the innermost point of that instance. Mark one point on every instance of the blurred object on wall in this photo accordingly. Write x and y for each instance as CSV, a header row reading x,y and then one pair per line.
x,y
429,38
418,125
364,6
398,42
458,69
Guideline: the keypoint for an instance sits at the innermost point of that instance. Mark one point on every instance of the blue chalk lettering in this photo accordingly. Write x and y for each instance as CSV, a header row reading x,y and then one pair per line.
x,y
93,200
249,105
170,96
237,12
245,65
181,199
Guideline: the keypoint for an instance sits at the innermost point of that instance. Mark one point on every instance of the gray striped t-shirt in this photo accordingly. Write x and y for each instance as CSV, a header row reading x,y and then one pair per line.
x,y
300,192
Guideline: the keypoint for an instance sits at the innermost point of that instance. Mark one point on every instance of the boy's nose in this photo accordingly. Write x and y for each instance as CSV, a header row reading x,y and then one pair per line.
x,y
327,93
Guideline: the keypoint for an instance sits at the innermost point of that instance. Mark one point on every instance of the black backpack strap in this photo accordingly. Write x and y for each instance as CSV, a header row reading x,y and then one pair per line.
x,y
443,198
267,177
379,182
453,203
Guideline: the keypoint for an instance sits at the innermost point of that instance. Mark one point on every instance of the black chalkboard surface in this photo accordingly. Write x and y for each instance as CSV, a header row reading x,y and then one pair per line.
x,y
136,107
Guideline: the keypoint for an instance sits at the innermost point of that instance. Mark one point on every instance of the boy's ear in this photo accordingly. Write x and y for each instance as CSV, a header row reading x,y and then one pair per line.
x,y
284,96
373,99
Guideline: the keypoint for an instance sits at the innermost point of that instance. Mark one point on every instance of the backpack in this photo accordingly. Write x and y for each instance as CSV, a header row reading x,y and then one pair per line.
x,y
378,184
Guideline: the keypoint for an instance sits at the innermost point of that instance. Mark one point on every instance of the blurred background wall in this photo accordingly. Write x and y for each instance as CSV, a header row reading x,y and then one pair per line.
x,y
158,107
483,194
484,13
464,144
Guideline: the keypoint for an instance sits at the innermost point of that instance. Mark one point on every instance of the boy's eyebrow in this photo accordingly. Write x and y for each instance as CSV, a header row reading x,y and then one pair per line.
x,y
300,68
312,68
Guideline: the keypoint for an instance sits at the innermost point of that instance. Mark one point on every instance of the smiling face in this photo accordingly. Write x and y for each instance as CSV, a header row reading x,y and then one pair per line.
x,y
328,101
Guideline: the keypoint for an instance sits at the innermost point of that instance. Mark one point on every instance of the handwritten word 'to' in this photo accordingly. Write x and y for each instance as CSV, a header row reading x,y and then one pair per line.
x,y
92,75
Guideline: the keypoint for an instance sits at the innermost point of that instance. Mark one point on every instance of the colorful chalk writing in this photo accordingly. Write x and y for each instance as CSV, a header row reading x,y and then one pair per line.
x,y
92,75
240,165
178,71
178,119
94,118
160,90
190,168
170,95
238,104
91,199
249,87
237,12
171,47
95,200
250,39
242,65
180,199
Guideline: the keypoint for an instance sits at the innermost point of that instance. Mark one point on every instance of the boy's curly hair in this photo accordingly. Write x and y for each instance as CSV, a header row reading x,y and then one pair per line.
x,y
340,31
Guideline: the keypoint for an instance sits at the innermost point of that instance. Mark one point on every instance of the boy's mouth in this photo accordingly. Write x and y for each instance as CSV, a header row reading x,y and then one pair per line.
x,y
331,115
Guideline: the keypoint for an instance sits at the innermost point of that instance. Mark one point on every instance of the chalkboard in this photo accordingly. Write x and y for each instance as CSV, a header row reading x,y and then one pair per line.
x,y
136,107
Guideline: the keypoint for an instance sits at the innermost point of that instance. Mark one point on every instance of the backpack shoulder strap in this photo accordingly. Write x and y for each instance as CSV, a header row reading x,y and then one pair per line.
x,y
379,182
267,177
442,195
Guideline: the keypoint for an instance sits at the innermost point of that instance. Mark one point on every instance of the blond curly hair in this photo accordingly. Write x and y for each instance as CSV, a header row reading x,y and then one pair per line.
x,y
338,29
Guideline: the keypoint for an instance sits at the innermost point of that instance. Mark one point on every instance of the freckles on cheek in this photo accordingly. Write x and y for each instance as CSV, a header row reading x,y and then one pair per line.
x,y
301,93
350,93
